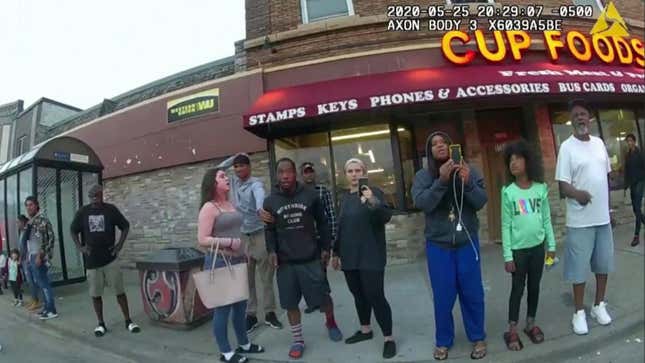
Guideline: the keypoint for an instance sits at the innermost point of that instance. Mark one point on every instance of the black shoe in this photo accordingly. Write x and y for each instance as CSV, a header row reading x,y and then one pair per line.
x,y
358,337
389,349
311,309
635,241
271,320
251,323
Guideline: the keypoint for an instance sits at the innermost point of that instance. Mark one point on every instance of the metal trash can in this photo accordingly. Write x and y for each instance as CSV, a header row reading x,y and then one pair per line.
x,y
168,289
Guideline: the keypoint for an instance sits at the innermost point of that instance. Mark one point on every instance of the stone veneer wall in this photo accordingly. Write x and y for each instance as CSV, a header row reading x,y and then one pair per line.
x,y
162,205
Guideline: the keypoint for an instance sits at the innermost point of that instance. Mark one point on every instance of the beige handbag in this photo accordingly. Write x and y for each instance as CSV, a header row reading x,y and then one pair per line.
x,y
222,286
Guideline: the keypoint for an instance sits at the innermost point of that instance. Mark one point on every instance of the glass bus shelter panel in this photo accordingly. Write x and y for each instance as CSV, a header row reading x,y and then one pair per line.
x,y
47,197
3,224
69,205
13,210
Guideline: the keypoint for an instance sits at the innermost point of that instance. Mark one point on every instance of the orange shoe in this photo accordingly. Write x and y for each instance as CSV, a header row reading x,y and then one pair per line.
x,y
36,305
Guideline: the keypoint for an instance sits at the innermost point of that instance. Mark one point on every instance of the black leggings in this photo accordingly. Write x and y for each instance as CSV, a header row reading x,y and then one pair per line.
x,y
17,291
368,291
529,264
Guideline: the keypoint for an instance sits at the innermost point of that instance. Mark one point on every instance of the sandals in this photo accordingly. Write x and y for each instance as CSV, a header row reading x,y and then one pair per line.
x,y
236,358
297,350
535,334
513,342
254,349
133,328
440,353
479,350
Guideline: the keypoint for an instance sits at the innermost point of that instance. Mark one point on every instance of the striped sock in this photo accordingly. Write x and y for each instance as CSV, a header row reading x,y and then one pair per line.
x,y
296,331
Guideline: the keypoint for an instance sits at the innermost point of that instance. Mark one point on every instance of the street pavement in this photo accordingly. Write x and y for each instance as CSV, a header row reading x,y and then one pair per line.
x,y
70,338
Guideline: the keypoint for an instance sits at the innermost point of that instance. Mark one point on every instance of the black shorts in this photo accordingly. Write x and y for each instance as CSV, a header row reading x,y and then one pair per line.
x,y
298,280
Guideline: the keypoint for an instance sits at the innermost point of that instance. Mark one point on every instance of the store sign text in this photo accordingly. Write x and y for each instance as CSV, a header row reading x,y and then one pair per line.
x,y
512,82
513,44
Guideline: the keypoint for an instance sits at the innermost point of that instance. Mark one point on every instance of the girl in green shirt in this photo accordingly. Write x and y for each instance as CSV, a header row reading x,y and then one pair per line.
x,y
526,226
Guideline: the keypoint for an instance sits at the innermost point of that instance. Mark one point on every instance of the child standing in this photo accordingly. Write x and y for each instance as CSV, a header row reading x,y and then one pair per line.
x,y
526,225
14,273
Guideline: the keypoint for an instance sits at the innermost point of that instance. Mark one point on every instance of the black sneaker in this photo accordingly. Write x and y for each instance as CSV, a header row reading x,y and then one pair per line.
x,y
271,320
389,350
251,323
358,337
635,241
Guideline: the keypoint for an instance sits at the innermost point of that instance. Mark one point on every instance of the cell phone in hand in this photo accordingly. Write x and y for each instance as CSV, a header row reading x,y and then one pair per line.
x,y
362,184
455,153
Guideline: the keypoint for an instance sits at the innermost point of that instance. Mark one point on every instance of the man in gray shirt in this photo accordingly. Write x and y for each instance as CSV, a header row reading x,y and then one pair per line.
x,y
247,193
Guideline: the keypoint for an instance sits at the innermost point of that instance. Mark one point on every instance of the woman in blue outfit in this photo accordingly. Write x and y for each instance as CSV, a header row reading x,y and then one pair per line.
x,y
450,194
219,223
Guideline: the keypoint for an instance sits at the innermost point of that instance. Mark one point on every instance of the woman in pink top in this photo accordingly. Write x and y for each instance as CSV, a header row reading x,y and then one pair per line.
x,y
219,223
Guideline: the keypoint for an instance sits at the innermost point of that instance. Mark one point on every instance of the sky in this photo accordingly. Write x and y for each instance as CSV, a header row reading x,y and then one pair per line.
x,y
79,52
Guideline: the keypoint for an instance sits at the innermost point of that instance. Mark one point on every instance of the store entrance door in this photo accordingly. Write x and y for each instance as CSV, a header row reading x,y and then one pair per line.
x,y
496,129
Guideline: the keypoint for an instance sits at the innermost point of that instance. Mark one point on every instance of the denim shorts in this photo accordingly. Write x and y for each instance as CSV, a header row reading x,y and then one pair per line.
x,y
585,247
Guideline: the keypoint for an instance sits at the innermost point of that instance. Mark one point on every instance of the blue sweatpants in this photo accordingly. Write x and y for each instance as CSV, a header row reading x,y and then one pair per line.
x,y
456,272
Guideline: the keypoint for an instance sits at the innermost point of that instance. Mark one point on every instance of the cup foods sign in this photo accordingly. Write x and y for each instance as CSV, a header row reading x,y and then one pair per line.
x,y
193,105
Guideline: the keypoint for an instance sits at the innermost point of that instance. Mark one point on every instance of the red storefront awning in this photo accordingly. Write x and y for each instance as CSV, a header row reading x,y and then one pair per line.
x,y
441,84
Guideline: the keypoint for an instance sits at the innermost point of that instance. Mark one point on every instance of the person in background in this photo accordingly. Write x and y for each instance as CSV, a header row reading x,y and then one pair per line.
x,y
295,249
96,224
635,181
247,194
582,171
36,293
219,222
40,247
13,270
361,253
450,194
526,226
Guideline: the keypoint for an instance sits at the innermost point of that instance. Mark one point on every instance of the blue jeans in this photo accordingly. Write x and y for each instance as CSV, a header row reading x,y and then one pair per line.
x,y
456,272
41,278
221,315
220,325
36,293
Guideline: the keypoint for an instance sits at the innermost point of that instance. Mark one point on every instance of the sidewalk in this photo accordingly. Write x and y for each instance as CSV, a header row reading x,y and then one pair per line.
x,y
407,289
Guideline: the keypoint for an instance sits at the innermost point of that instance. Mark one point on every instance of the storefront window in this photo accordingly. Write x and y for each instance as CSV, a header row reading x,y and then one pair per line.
x,y
616,125
406,149
562,129
372,145
312,148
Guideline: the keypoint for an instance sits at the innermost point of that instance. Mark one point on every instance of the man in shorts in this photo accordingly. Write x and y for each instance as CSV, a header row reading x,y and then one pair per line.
x,y
294,248
582,172
95,223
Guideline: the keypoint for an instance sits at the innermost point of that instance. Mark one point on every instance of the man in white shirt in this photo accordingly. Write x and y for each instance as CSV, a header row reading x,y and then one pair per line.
x,y
582,172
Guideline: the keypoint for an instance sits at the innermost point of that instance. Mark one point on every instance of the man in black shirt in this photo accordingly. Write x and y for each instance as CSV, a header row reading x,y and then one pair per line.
x,y
295,249
96,224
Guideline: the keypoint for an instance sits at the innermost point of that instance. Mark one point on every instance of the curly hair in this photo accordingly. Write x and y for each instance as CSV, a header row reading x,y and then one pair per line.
x,y
534,169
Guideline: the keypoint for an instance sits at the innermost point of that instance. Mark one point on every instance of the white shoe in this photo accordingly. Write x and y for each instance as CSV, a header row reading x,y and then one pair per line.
x,y
599,312
579,323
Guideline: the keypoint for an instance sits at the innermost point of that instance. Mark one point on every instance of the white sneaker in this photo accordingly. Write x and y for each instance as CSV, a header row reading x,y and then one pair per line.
x,y
599,312
579,323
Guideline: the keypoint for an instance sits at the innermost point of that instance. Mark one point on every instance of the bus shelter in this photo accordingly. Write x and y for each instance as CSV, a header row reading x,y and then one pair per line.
x,y
58,172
